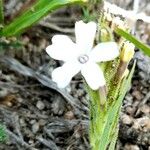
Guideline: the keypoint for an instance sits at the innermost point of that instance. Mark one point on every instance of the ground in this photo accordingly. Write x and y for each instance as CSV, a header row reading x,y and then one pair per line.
x,y
40,116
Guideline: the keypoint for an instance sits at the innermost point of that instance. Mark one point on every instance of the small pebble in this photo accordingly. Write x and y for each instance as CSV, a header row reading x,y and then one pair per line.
x,y
145,109
40,105
69,115
137,95
126,119
58,106
19,99
42,122
130,110
42,44
142,124
131,147
35,127
80,92
129,97
22,122
32,121
31,142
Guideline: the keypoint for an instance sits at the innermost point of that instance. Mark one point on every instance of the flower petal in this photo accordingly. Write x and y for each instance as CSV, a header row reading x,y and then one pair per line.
x,y
62,48
63,75
93,75
85,33
104,52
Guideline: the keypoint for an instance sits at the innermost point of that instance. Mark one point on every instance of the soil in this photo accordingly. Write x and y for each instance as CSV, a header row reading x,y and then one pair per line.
x,y
38,115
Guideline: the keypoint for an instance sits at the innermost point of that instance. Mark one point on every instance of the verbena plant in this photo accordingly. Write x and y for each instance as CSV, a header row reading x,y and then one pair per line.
x,y
105,102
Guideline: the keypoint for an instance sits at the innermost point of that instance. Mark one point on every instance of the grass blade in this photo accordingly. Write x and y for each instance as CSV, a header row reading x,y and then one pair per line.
x,y
136,42
39,9
1,12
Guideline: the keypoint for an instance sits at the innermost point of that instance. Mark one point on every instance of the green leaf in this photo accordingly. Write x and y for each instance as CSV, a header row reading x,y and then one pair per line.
x,y
136,42
113,112
39,9
97,117
1,12
3,135
114,139
104,119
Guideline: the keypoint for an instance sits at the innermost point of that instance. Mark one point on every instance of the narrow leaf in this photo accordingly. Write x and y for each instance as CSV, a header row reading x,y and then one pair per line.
x,y
3,135
113,141
1,12
39,9
113,112
145,48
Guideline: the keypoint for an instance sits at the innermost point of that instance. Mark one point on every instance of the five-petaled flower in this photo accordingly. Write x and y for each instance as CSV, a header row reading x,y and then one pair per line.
x,y
81,56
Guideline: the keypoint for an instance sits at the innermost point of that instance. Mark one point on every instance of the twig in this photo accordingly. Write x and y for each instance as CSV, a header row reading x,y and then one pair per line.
x,y
17,126
66,21
35,110
13,117
48,143
55,27
17,139
43,79
63,125
12,85
147,97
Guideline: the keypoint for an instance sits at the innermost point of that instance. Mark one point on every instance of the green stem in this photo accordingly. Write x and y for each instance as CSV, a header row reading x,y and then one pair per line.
x,y
1,12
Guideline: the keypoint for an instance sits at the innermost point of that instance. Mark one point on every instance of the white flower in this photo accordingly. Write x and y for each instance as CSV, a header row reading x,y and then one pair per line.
x,y
80,56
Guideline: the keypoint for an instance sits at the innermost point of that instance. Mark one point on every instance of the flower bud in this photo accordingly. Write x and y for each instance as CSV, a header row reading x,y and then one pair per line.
x,y
127,52
126,55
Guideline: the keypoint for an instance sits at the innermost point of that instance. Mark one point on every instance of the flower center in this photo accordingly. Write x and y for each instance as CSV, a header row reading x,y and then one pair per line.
x,y
83,59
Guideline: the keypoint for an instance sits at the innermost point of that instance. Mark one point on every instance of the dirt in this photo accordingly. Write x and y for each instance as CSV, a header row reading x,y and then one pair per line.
x,y
39,116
